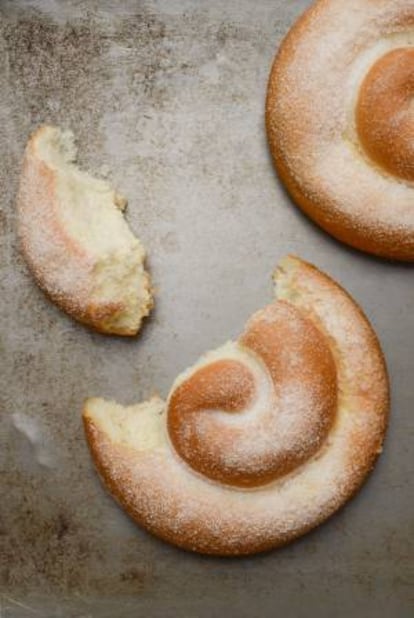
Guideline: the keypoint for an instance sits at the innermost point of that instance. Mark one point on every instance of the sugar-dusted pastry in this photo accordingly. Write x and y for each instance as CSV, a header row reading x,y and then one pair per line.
x,y
340,121
76,241
262,439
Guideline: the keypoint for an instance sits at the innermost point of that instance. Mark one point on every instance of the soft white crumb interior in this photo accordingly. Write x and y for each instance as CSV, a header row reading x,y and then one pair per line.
x,y
141,427
91,214
283,276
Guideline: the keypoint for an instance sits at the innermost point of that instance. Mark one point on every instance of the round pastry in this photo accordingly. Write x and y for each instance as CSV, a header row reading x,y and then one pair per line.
x,y
340,121
76,241
262,439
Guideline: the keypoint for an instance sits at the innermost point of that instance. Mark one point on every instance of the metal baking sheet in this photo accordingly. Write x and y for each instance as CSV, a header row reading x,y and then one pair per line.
x,y
169,95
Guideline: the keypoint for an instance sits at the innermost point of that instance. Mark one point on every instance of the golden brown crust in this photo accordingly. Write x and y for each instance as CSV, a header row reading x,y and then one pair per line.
x,y
384,117
302,374
62,268
180,505
226,541
224,385
367,362
311,124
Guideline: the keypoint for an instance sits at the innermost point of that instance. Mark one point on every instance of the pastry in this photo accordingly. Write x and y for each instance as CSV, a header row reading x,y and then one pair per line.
x,y
261,440
76,241
340,121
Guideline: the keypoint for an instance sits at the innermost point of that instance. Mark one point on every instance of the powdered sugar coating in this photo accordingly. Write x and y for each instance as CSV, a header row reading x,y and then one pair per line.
x,y
310,113
169,498
248,421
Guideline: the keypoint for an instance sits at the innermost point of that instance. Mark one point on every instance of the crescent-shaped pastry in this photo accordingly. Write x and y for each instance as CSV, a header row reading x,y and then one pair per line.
x,y
340,121
262,439
75,239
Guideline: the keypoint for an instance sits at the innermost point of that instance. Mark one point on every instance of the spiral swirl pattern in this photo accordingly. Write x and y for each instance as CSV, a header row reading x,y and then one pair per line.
x,y
340,121
281,391
262,439
385,113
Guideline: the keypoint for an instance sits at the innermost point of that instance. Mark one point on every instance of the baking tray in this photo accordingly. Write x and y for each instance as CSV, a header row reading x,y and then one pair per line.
x,y
169,95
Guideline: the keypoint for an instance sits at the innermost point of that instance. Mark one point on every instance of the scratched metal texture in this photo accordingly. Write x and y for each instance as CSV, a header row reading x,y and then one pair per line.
x,y
169,95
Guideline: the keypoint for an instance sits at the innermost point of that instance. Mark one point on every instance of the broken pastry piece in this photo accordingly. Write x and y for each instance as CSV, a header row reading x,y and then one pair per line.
x,y
76,241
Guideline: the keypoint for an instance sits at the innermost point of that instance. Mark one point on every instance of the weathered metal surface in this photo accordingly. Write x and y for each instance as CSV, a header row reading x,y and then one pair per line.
x,y
169,95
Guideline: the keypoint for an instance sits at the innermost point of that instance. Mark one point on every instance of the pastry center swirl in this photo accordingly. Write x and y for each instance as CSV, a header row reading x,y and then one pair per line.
x,y
252,418
385,113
